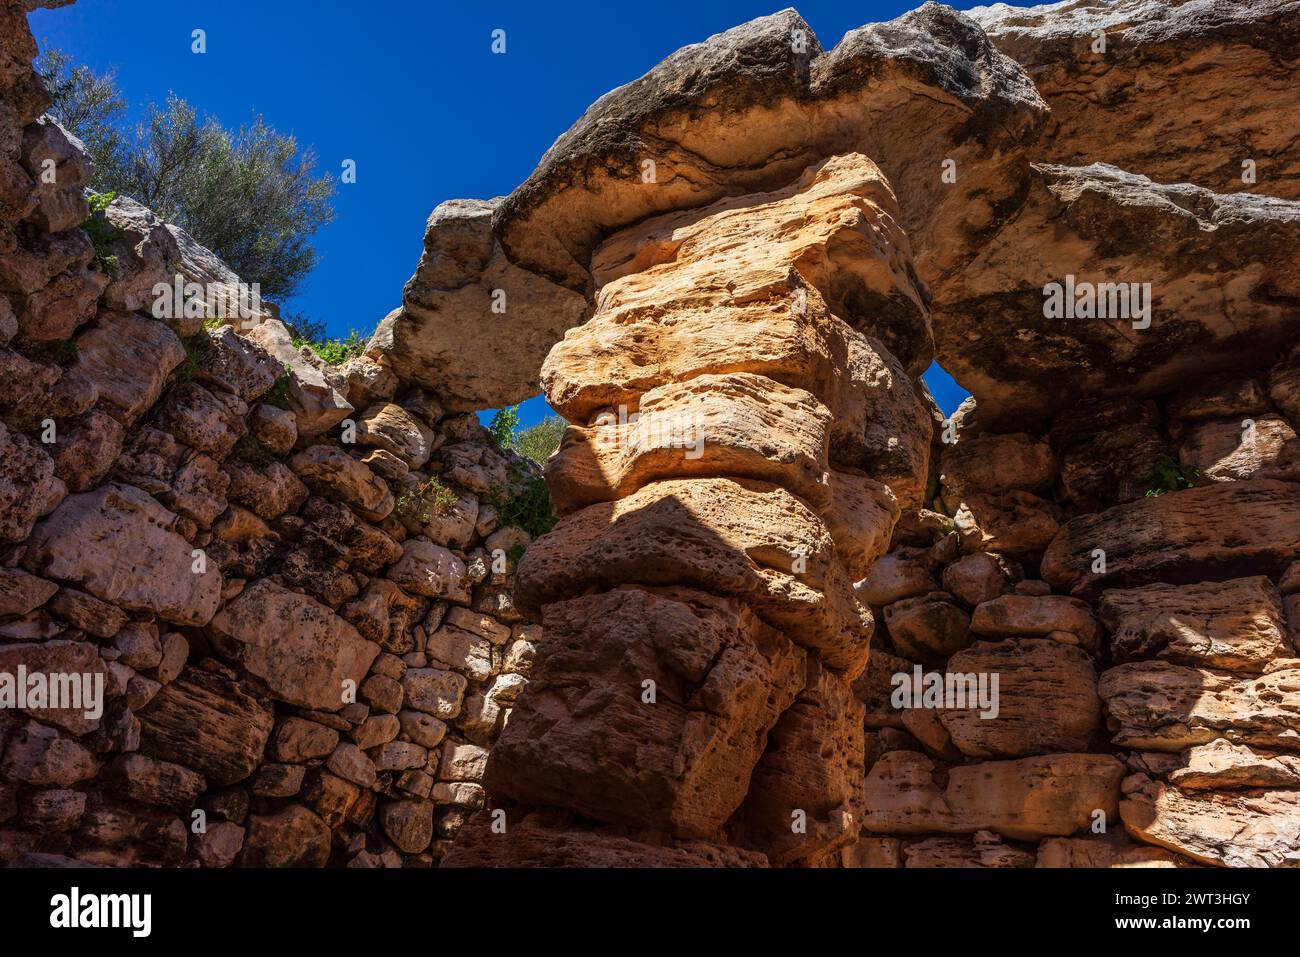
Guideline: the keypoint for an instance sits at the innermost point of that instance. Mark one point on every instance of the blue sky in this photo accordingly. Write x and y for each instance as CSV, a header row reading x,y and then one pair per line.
x,y
412,92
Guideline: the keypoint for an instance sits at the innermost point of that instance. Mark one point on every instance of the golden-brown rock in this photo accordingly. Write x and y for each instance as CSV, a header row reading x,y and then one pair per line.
x,y
649,708
1052,795
1234,625
1166,707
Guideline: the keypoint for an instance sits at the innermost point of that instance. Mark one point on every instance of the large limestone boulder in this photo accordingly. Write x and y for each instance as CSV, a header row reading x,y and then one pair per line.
x,y
1238,449
317,393
292,837
330,471
1052,795
680,761
739,306
467,292
1248,828
116,543
1160,706
146,252
1046,699
741,538
1236,625
304,653
128,358
1184,281
1219,531
207,722
1224,766
1182,92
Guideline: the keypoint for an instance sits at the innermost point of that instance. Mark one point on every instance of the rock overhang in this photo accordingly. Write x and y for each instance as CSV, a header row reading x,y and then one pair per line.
x,y
745,111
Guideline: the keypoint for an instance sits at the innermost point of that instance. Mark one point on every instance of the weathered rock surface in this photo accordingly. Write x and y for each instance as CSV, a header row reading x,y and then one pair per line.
x,y
1053,795
1220,531
1235,625
1166,707
116,543
1241,449
811,774
303,652
1059,617
680,762
1222,765
209,723
1113,231
1249,828
1046,699
1178,91
736,538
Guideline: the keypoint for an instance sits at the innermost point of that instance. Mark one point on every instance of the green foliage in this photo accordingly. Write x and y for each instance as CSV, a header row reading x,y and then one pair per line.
x,y
101,231
334,351
538,442
251,450
526,505
1170,476
278,394
196,348
429,500
514,553
89,105
248,194
504,423
303,327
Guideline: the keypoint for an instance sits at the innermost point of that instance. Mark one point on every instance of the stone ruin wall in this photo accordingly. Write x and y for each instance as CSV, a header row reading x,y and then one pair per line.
x,y
722,621
226,688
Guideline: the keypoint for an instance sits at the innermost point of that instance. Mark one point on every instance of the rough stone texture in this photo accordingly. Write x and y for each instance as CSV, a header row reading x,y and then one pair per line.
x,y
1222,765
1054,795
1130,105
209,723
681,763
303,652
1235,625
1167,707
116,544
1248,828
814,766
732,537
1209,258
1047,700
454,294
1180,537
294,837
869,93
1063,619
1231,451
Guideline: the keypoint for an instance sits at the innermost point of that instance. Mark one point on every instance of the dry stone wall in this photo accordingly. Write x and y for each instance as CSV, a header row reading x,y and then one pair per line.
x,y
1146,651
792,615
304,653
